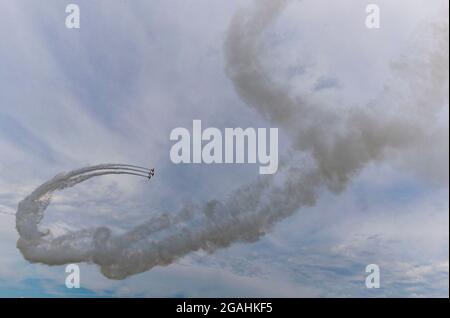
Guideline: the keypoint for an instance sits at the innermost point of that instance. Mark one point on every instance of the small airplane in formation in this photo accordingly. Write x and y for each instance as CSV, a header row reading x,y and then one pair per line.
x,y
151,173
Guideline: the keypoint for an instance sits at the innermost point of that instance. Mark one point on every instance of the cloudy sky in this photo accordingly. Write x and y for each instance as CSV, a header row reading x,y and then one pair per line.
x,y
113,90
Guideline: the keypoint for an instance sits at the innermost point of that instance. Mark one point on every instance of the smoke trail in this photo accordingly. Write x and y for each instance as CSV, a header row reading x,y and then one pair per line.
x,y
244,216
340,145
342,142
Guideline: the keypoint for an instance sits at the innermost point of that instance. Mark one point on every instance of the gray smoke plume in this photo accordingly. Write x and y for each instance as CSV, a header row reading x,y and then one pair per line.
x,y
340,144
245,216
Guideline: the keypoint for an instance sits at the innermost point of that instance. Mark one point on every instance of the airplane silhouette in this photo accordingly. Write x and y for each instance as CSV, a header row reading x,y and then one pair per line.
x,y
151,173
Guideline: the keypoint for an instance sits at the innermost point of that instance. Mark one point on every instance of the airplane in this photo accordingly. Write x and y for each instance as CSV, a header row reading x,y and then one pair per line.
x,y
151,173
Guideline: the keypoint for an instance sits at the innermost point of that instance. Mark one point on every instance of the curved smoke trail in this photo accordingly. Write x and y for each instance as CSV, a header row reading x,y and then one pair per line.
x,y
340,145
342,142
160,240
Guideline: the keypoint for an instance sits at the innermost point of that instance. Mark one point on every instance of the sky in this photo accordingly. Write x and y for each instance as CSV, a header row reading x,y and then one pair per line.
x,y
113,90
